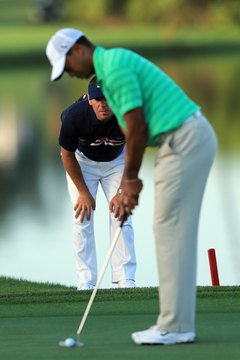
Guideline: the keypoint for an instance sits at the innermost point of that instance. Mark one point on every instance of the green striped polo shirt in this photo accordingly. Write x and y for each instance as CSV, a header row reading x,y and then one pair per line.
x,y
128,81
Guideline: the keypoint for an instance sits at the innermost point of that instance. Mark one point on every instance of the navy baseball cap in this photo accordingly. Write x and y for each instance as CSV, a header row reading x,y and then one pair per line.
x,y
94,91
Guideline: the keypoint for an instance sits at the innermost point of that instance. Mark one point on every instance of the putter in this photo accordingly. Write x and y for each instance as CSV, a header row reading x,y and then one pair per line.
x,y
69,342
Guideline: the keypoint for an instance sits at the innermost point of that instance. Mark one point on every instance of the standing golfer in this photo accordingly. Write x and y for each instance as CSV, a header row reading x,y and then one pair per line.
x,y
153,111
92,148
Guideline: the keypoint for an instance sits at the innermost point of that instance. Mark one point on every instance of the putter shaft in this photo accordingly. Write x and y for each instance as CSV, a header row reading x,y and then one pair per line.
x,y
105,264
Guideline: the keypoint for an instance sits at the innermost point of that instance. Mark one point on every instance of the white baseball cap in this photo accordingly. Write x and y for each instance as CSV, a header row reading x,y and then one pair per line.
x,y
57,48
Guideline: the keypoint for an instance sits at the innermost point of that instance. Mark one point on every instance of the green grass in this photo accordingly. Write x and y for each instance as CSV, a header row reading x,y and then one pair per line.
x,y
30,38
35,316
25,45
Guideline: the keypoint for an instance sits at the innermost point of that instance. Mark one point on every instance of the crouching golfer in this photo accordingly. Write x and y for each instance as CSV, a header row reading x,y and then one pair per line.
x,y
92,148
153,111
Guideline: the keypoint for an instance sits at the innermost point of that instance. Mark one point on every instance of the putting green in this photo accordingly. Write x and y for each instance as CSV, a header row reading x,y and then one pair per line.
x,y
32,330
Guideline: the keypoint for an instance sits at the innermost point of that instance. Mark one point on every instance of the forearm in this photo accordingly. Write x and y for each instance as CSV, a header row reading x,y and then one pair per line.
x,y
134,154
73,169
136,139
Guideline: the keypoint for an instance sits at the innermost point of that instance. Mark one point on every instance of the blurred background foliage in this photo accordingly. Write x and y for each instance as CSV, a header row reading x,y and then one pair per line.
x,y
172,13
25,25
167,12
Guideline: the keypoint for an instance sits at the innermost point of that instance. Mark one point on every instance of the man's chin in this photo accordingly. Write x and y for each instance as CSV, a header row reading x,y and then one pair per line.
x,y
105,118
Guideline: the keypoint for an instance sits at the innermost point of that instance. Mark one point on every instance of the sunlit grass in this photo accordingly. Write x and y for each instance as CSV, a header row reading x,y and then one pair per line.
x,y
33,37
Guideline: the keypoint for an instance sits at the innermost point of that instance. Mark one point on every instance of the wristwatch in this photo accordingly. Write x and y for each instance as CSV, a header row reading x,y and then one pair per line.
x,y
119,191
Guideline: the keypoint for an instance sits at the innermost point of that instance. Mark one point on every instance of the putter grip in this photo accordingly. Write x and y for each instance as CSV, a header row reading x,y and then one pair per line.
x,y
125,216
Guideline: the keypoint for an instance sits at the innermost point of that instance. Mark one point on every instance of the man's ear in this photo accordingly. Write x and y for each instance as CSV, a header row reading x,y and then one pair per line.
x,y
77,48
89,101
81,49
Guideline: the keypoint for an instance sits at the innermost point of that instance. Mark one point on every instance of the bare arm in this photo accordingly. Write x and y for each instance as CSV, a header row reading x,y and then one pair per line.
x,y
136,139
85,202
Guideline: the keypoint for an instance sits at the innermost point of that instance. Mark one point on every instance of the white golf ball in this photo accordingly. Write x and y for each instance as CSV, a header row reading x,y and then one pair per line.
x,y
69,342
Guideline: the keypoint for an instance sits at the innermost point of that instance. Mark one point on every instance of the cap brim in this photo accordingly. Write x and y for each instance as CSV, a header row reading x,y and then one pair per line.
x,y
58,68
95,94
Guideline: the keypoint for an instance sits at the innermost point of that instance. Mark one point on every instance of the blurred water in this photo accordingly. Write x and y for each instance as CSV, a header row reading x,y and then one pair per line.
x,y
35,210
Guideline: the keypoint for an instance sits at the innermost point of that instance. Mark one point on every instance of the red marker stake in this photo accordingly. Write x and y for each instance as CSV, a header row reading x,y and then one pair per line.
x,y
213,267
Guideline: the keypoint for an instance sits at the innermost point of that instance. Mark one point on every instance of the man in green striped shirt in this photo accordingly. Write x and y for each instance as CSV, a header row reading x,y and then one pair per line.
x,y
153,111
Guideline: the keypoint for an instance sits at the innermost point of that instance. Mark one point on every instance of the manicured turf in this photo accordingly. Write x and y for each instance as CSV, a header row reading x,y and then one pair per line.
x,y
35,317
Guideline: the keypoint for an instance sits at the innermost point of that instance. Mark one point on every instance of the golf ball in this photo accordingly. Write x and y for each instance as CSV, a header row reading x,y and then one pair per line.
x,y
69,342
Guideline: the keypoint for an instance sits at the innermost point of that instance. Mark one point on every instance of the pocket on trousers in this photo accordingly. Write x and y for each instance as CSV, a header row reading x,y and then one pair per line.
x,y
167,150
168,147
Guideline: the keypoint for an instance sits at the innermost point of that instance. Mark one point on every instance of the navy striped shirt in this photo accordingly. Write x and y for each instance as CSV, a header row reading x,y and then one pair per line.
x,y
81,129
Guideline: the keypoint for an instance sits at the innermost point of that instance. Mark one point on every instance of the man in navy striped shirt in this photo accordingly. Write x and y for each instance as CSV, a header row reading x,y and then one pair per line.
x,y
92,148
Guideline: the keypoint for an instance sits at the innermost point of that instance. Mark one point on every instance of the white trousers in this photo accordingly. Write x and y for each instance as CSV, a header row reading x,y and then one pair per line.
x,y
123,260
182,166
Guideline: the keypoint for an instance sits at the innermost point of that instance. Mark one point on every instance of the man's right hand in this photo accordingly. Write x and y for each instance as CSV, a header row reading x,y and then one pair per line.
x,y
130,194
85,204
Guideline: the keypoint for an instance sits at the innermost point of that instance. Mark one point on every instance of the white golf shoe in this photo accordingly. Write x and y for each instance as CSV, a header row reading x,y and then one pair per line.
x,y
127,283
85,286
153,336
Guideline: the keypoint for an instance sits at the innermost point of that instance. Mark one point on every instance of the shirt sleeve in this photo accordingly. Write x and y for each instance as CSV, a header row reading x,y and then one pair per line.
x,y
124,90
67,138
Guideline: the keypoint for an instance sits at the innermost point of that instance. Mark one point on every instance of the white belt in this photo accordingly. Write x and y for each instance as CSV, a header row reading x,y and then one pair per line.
x,y
193,116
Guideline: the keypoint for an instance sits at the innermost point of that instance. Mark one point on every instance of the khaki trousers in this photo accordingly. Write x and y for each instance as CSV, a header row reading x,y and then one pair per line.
x,y
182,166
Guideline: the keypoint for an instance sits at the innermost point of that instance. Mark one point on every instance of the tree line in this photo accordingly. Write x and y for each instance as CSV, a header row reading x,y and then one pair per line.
x,y
162,12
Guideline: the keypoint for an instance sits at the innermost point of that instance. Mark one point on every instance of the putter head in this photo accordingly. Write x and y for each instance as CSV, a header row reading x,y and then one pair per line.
x,y
69,342
78,342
